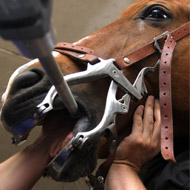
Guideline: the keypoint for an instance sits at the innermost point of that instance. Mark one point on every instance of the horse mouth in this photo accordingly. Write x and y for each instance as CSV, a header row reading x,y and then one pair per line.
x,y
19,108
81,162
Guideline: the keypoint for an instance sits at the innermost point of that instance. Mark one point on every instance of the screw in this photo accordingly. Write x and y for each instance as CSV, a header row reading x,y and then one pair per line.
x,y
127,60
77,141
100,179
81,55
124,108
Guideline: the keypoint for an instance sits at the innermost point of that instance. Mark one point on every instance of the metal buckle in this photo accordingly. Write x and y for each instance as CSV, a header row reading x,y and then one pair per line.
x,y
163,35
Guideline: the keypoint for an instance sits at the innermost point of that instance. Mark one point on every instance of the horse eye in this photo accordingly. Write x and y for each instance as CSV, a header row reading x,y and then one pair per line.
x,y
155,13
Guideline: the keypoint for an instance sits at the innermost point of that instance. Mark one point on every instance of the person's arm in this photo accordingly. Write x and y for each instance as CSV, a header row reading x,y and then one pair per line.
x,y
123,177
136,149
23,170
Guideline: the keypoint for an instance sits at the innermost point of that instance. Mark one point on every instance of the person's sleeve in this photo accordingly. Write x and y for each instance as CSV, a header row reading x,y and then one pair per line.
x,y
175,176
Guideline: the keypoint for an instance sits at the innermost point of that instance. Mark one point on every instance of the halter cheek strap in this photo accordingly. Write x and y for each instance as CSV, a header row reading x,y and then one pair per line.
x,y
166,100
85,55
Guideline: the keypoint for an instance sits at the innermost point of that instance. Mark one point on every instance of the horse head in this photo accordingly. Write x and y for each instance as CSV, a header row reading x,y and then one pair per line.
x,y
136,27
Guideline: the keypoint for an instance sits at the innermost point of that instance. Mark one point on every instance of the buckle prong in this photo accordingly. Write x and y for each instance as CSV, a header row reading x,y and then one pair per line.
x,y
163,35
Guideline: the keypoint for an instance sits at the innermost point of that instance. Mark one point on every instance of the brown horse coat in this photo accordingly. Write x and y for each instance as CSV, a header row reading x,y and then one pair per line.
x,y
136,27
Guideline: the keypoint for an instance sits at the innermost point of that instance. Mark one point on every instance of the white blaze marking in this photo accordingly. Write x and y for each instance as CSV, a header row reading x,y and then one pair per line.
x,y
141,26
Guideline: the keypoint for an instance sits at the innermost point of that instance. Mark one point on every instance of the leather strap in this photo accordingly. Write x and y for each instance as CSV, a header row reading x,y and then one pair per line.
x,y
166,100
72,47
86,55
149,49
79,53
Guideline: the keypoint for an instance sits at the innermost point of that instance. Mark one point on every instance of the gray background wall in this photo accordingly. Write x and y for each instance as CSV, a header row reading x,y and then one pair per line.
x,y
73,20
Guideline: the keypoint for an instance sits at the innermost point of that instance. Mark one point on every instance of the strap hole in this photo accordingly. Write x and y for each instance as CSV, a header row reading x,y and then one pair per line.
x,y
164,83
166,116
165,104
164,93
168,47
166,54
166,127
165,62
166,138
179,33
164,72
166,148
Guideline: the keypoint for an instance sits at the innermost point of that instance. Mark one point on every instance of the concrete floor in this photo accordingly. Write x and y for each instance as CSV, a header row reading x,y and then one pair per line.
x,y
73,20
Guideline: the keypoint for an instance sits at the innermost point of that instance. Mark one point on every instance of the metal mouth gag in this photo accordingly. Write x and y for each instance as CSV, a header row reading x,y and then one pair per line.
x,y
102,69
112,108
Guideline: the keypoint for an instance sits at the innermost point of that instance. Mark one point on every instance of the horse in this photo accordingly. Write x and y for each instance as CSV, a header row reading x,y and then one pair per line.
x,y
136,27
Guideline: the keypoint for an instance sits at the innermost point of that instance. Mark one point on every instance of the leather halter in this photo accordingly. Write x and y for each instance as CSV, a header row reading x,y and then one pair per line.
x,y
86,55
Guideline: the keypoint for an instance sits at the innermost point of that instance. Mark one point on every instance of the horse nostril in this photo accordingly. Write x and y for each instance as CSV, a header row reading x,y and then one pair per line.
x,y
29,79
26,80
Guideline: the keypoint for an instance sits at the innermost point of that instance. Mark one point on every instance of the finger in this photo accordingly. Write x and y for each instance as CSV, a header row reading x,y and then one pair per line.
x,y
148,120
157,124
137,127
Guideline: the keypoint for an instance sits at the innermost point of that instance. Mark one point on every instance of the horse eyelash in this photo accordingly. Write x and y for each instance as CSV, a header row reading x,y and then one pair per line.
x,y
148,9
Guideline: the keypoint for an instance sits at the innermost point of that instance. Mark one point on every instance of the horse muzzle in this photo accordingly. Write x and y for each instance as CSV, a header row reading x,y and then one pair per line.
x,y
23,109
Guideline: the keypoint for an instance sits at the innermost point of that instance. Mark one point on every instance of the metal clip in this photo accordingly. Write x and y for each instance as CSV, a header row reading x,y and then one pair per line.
x,y
156,44
47,104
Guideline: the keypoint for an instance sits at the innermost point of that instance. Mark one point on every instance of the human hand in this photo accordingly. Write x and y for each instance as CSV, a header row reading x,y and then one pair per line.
x,y
144,141
57,131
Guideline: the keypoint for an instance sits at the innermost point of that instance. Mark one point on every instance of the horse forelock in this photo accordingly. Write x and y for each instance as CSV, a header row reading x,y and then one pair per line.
x,y
178,7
